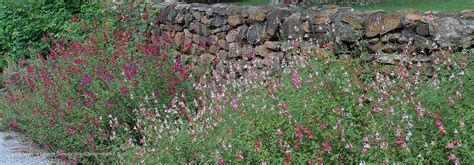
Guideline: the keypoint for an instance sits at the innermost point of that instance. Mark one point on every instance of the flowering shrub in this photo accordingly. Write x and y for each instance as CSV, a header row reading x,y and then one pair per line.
x,y
116,87
81,96
318,111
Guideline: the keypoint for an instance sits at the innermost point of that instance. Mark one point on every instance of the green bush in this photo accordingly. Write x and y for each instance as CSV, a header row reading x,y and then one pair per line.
x,y
23,24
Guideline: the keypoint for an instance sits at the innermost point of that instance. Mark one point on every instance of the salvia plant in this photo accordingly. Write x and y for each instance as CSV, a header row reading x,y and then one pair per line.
x,y
120,90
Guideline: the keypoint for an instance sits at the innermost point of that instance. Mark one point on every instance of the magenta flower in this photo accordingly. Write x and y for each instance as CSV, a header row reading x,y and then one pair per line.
x,y
108,104
124,90
87,104
85,80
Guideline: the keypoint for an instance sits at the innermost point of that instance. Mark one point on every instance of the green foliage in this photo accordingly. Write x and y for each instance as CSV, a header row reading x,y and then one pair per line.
x,y
23,24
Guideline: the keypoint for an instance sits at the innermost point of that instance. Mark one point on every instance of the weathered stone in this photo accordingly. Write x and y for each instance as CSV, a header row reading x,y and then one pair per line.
x,y
197,15
290,28
223,28
324,28
388,58
386,48
188,18
207,58
222,55
428,19
323,16
392,37
274,19
254,34
423,43
221,35
241,33
233,10
197,39
214,49
231,36
177,27
179,19
198,8
423,29
411,20
256,14
216,22
262,50
322,37
344,33
211,40
172,13
198,28
272,45
467,15
209,11
181,7
234,50
467,27
446,31
305,26
179,39
235,20
352,19
374,41
389,48
407,34
223,44
380,23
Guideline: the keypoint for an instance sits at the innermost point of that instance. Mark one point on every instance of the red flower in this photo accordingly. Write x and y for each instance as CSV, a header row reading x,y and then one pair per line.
x,y
257,144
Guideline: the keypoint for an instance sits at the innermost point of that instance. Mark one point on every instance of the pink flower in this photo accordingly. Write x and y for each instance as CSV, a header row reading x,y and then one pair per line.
x,y
365,139
70,130
451,156
296,80
279,132
449,145
349,146
326,147
85,80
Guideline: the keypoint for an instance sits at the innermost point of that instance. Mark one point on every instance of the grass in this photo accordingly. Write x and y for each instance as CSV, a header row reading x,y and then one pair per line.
x,y
395,5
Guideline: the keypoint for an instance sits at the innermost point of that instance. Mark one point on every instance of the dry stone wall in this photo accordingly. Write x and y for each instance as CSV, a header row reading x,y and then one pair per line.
x,y
226,31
